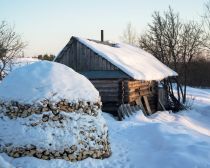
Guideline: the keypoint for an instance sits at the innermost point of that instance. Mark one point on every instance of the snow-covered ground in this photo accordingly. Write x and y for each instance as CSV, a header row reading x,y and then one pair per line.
x,y
163,140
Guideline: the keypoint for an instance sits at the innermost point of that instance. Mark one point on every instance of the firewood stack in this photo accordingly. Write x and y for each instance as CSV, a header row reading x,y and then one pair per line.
x,y
49,111
90,140
14,109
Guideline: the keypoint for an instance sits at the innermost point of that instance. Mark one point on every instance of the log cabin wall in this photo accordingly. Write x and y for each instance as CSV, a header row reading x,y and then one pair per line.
x,y
117,91
134,89
109,90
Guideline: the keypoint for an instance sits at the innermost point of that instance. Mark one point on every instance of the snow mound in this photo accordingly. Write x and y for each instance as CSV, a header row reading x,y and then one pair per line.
x,y
46,80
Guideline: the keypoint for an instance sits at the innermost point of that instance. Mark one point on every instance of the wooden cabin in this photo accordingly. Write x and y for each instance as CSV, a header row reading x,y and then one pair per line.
x,y
123,74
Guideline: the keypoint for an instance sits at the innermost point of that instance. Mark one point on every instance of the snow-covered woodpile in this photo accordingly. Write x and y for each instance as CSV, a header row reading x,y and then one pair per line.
x,y
15,109
58,116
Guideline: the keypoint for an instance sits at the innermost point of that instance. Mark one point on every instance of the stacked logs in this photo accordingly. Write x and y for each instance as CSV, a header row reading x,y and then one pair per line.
x,y
15,109
69,154
57,112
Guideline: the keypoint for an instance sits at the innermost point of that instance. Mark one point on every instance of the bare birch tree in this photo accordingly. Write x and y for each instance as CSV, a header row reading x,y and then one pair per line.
x,y
129,35
11,47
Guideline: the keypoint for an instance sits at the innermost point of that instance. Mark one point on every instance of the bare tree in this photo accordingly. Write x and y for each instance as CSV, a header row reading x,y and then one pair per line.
x,y
206,25
207,14
173,42
129,35
11,47
162,37
191,45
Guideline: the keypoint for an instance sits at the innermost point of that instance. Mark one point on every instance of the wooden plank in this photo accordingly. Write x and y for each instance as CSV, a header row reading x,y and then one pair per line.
x,y
136,86
108,66
92,64
129,109
100,62
130,90
105,81
78,56
147,105
138,102
112,67
97,65
110,94
107,86
73,62
83,58
136,94
104,62
111,108
108,98
88,55
120,113
161,104
87,58
70,55
125,110
108,90
130,82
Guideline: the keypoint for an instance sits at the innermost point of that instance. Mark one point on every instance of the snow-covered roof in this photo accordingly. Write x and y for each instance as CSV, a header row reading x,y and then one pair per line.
x,y
134,61
46,80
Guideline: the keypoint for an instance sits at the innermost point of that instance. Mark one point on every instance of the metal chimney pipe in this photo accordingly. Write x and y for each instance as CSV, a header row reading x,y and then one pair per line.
x,y
102,35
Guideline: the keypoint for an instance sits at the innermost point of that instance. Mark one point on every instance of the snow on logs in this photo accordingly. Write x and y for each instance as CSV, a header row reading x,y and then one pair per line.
x,y
49,111
14,109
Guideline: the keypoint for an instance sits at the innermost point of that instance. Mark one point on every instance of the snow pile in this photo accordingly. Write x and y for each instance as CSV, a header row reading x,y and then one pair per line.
x,y
58,114
134,61
46,80
19,62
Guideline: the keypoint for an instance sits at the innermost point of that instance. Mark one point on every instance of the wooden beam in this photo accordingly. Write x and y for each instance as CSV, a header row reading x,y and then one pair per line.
x,y
147,105
161,104
138,102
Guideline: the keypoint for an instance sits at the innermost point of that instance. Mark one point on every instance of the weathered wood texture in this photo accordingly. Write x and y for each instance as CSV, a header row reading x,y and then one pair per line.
x,y
163,99
135,89
108,89
112,92
81,58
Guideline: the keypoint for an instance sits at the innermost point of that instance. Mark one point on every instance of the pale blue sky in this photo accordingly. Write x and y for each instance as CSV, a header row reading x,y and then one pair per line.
x,y
47,25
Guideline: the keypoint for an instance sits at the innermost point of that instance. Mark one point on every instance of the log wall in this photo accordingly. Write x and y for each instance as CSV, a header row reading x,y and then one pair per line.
x,y
109,92
135,89
113,92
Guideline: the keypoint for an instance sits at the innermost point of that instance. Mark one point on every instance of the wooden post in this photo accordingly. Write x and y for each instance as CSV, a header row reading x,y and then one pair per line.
x,y
138,102
147,104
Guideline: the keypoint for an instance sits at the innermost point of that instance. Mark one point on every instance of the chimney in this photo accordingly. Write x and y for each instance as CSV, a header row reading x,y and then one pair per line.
x,y
102,35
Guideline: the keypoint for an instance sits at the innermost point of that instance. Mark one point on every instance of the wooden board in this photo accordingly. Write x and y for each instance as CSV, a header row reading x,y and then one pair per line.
x,y
139,102
147,105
